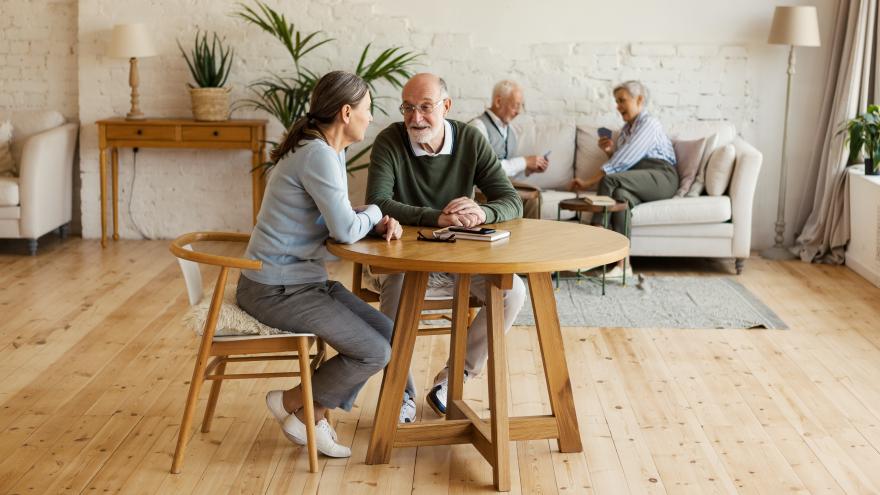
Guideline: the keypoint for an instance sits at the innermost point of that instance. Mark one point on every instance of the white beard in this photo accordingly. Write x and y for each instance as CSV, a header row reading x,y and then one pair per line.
x,y
423,136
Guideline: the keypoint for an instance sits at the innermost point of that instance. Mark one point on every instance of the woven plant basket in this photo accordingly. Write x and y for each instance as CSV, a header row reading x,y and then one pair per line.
x,y
210,104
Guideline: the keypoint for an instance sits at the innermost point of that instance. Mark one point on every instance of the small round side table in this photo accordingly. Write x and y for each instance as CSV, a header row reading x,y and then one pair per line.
x,y
579,205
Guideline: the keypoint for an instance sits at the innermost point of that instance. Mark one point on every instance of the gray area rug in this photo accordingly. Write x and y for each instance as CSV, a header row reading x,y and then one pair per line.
x,y
658,302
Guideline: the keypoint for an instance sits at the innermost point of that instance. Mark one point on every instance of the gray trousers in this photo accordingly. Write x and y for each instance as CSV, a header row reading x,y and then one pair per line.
x,y
647,180
442,284
360,334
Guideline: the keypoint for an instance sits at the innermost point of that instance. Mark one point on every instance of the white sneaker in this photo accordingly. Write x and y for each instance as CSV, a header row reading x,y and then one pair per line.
x,y
275,404
407,410
294,429
617,272
324,438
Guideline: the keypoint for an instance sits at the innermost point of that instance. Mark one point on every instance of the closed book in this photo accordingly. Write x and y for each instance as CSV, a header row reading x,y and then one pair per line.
x,y
598,200
473,236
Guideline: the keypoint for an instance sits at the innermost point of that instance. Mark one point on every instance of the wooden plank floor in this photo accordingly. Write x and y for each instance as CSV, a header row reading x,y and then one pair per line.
x,y
94,367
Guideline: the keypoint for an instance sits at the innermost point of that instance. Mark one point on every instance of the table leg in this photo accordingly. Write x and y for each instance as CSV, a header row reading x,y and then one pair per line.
x,y
555,365
406,325
114,172
500,422
458,344
102,173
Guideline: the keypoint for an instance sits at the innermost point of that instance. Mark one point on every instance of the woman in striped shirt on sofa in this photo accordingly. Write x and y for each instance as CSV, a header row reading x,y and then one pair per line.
x,y
641,164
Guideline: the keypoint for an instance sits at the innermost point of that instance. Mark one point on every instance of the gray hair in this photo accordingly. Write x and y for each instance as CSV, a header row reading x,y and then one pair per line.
x,y
504,88
444,91
634,88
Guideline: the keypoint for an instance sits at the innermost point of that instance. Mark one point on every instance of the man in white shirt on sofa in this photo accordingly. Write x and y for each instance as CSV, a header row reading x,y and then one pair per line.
x,y
494,124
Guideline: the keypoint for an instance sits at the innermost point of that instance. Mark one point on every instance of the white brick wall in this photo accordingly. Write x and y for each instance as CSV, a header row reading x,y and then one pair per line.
x,y
38,55
177,191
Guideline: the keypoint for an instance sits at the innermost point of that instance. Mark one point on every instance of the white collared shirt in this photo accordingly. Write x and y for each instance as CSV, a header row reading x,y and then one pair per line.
x,y
446,149
513,167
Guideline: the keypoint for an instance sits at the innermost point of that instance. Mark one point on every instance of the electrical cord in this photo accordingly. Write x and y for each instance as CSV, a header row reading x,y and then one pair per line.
x,y
131,196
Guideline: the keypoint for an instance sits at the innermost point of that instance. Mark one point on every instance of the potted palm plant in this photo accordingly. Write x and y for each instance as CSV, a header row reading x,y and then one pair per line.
x,y
209,64
864,134
286,96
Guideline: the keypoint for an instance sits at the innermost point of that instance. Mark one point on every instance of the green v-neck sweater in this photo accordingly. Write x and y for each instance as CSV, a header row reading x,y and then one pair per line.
x,y
414,189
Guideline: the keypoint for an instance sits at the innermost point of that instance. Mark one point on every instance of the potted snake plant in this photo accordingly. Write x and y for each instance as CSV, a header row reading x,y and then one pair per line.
x,y
209,63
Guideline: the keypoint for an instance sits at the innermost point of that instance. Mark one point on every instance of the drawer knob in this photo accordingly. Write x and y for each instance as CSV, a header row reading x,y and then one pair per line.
x,y
139,132
216,133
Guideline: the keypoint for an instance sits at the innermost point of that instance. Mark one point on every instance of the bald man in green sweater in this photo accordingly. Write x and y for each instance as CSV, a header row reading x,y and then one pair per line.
x,y
423,172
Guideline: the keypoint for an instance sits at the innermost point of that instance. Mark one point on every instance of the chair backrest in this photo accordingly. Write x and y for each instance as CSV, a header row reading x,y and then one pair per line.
x,y
190,259
192,275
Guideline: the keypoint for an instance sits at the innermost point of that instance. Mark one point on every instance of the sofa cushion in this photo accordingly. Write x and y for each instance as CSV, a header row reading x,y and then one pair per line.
x,y
536,137
550,204
7,165
588,158
719,169
9,191
27,123
704,209
688,156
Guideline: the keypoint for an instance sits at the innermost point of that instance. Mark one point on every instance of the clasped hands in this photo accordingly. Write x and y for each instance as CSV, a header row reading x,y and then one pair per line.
x,y
462,212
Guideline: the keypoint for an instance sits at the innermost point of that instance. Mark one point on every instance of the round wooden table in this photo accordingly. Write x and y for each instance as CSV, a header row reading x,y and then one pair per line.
x,y
535,247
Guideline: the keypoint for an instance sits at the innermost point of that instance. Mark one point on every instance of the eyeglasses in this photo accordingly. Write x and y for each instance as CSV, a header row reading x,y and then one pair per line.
x,y
424,108
439,237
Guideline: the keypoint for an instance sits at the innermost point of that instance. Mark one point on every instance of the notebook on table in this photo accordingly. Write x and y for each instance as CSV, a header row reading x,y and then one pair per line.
x,y
474,236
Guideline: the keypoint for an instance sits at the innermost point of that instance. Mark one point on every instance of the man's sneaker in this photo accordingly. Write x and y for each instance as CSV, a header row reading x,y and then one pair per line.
x,y
407,409
617,272
326,442
437,398
276,405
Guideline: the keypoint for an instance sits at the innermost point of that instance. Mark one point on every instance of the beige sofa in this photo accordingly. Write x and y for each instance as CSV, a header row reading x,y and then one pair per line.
x,y
705,226
39,198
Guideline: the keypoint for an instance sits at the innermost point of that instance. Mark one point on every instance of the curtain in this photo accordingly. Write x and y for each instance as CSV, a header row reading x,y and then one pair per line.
x,y
851,85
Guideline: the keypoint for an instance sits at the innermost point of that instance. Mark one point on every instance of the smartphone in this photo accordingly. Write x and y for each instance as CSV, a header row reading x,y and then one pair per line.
x,y
472,230
604,132
547,154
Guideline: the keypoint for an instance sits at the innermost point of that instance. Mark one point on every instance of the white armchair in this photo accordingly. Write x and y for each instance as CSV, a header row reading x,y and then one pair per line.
x,y
40,199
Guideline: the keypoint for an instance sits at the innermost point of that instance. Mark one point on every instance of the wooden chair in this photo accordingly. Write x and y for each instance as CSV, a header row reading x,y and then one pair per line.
x,y
430,304
234,349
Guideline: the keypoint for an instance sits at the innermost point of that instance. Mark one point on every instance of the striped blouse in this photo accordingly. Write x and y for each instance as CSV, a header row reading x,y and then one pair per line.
x,y
643,138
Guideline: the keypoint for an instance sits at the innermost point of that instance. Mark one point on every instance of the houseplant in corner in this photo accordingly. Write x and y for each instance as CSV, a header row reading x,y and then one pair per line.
x,y
864,134
209,64
286,96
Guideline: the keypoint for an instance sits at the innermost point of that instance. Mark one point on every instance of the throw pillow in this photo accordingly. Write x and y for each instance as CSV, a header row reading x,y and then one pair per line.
x,y
588,158
7,165
719,169
688,155
700,181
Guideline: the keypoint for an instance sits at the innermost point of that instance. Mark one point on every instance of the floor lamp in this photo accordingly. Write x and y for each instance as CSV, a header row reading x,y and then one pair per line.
x,y
792,26
132,41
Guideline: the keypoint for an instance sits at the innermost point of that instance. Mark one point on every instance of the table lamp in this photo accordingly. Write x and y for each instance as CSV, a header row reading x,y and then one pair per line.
x,y
132,41
793,26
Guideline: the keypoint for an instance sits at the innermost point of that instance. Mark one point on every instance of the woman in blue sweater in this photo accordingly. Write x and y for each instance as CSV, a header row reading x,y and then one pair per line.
x,y
306,202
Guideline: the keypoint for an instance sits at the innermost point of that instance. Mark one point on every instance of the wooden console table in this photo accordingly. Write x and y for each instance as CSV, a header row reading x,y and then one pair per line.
x,y
176,133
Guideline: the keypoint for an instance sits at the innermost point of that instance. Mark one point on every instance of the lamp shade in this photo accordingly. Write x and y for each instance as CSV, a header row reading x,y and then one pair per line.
x,y
798,26
131,40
